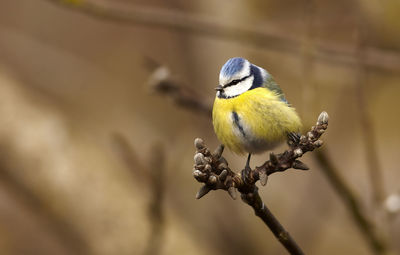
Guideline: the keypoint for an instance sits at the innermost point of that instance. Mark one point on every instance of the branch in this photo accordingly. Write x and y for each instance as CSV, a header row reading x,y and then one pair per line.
x,y
205,26
212,169
146,173
152,175
338,184
161,82
156,208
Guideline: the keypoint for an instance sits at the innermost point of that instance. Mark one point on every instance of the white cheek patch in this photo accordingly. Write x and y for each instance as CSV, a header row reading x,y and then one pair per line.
x,y
239,88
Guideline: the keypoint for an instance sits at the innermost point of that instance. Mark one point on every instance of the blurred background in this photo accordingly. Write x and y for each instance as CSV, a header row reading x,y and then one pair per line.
x,y
95,161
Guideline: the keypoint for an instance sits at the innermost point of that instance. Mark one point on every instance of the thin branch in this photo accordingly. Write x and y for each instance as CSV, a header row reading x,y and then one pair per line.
x,y
143,172
338,184
153,177
254,200
128,155
156,207
161,82
373,165
198,25
212,169
209,165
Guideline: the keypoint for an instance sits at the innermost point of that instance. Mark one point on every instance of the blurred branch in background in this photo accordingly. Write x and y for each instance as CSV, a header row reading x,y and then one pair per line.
x,y
376,58
157,166
351,202
33,152
154,177
236,243
58,226
310,100
309,87
161,76
182,96
367,126
366,227
345,193
128,156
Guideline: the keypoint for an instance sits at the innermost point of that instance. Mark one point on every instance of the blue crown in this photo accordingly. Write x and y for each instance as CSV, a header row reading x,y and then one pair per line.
x,y
232,66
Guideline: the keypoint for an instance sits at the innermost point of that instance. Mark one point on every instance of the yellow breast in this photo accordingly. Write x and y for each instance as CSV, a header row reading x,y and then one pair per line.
x,y
254,121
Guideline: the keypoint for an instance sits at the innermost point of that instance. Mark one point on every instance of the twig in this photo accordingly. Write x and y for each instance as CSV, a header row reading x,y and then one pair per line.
x,y
198,25
161,82
152,175
351,202
212,169
141,171
156,208
217,175
128,155
254,200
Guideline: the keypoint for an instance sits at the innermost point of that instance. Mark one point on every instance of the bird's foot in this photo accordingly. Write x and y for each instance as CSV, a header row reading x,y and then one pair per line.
x,y
293,139
246,175
247,171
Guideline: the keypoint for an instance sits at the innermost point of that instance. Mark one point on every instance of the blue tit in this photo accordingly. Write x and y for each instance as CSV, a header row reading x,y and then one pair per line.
x,y
250,112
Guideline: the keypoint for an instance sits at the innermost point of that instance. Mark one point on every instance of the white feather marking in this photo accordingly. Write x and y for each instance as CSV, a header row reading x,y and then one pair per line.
x,y
239,88
264,73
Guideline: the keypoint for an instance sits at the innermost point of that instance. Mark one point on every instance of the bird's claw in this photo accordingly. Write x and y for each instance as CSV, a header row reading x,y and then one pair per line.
x,y
293,138
246,174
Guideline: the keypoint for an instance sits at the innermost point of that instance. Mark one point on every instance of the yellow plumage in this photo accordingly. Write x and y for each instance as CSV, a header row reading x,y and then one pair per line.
x,y
253,121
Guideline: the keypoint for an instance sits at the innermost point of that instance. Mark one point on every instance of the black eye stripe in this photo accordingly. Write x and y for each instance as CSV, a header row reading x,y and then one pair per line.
x,y
234,82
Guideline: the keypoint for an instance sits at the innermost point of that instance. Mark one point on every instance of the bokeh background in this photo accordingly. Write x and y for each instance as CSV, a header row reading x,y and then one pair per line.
x,y
94,161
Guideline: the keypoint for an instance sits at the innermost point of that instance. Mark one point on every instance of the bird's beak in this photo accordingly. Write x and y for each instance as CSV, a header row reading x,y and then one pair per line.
x,y
219,88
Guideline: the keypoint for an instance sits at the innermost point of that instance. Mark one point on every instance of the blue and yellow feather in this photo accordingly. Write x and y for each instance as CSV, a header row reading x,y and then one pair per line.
x,y
254,120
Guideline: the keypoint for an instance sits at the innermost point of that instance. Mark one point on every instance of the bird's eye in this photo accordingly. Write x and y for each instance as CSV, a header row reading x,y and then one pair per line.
x,y
234,82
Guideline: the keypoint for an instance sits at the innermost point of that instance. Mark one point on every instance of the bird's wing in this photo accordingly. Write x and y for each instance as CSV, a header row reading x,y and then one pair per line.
x,y
270,84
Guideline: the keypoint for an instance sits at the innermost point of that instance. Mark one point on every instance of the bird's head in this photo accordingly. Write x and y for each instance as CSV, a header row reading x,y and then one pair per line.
x,y
237,76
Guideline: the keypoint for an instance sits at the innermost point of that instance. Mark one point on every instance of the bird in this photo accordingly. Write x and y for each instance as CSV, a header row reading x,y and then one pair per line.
x,y
250,112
